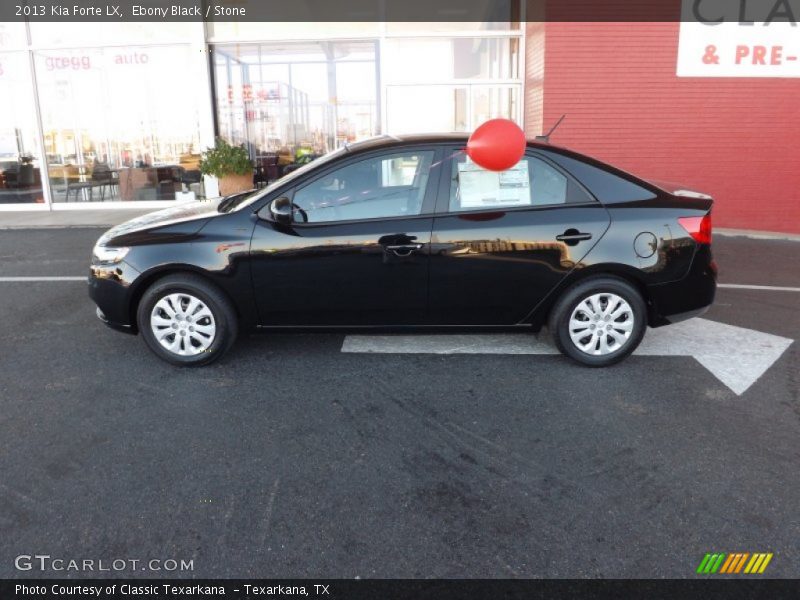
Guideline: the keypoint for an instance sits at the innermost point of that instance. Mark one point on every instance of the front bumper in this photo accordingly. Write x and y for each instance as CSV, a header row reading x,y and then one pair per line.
x,y
110,289
117,326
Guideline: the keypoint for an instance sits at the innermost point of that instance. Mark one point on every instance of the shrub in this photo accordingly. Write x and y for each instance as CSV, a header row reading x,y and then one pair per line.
x,y
225,159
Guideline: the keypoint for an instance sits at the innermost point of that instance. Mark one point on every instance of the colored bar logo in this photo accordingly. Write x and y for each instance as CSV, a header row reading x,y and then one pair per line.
x,y
734,563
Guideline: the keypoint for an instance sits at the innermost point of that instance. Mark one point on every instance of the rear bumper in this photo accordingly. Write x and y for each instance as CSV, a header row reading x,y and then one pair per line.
x,y
109,288
689,297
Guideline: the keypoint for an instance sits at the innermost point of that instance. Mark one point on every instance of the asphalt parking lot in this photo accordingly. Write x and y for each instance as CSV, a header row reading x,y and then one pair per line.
x,y
291,458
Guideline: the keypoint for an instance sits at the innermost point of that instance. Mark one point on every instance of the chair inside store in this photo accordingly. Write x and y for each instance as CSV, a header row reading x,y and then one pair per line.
x,y
169,181
20,181
191,176
266,170
101,177
10,175
163,182
104,179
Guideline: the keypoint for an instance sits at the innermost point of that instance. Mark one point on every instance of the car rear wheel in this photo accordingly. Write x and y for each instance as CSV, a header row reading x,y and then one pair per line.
x,y
598,322
186,321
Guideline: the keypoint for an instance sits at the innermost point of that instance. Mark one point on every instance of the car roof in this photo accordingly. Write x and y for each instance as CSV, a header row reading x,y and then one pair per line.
x,y
387,141
392,141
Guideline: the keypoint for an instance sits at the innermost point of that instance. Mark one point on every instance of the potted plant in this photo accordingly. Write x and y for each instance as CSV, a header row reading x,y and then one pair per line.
x,y
230,165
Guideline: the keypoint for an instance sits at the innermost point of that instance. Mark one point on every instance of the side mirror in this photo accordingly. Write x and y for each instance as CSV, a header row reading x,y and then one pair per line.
x,y
281,210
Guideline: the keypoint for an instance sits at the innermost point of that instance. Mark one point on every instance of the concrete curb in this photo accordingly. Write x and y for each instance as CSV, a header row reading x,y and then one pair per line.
x,y
757,235
68,219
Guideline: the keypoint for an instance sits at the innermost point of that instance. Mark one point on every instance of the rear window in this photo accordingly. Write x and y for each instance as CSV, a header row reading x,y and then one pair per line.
x,y
606,187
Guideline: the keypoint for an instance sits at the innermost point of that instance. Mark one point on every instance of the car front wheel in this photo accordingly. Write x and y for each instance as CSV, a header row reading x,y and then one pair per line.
x,y
598,322
186,321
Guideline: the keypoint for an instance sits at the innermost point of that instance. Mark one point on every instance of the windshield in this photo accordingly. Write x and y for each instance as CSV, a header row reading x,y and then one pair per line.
x,y
248,199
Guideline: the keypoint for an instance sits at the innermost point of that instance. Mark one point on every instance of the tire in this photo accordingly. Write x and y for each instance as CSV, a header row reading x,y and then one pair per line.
x,y
586,302
201,328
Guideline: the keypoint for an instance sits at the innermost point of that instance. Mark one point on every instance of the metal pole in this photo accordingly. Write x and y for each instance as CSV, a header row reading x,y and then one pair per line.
x,y
43,168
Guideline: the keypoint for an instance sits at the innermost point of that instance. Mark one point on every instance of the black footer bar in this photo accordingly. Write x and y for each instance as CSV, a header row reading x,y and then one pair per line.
x,y
395,589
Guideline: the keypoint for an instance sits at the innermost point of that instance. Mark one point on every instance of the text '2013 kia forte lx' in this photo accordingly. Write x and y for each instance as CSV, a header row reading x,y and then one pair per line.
x,y
409,233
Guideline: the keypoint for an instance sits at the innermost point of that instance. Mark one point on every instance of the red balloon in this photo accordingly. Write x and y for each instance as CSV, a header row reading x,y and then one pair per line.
x,y
497,145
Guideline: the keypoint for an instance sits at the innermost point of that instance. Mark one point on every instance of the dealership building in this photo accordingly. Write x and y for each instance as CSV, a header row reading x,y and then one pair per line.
x,y
115,115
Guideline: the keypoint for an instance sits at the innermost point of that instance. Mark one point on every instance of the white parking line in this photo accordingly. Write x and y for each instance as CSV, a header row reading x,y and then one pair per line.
x,y
711,343
24,279
773,288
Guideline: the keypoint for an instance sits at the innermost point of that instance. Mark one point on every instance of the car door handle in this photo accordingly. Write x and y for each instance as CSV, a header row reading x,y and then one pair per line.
x,y
403,249
573,236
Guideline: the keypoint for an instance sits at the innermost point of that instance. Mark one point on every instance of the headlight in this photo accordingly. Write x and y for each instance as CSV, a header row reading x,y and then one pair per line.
x,y
107,255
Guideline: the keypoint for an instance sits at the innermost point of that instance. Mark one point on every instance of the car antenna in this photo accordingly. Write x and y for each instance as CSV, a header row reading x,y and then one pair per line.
x,y
546,138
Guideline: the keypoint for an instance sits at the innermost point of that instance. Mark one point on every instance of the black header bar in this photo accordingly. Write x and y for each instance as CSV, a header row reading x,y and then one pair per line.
x,y
513,11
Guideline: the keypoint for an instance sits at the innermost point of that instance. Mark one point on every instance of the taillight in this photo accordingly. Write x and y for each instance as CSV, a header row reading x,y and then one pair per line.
x,y
697,227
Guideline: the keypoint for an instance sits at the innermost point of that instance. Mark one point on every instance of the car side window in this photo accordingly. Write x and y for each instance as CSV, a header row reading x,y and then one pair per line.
x,y
531,182
389,185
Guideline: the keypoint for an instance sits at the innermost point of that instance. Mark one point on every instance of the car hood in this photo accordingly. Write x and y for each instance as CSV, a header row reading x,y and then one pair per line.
x,y
191,216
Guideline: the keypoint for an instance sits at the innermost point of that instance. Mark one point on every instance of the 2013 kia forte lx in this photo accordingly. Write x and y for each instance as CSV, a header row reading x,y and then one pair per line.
x,y
409,232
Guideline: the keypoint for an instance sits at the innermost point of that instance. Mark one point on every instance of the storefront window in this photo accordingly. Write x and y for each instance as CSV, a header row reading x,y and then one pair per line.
x,y
508,9
287,30
124,106
78,34
12,35
490,102
420,109
287,100
444,108
120,123
451,58
20,164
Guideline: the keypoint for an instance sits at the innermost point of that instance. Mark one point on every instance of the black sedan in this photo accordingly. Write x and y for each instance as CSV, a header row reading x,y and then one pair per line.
x,y
410,233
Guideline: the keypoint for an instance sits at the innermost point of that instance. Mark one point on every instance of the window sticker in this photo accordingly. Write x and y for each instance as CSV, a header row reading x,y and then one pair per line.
x,y
479,188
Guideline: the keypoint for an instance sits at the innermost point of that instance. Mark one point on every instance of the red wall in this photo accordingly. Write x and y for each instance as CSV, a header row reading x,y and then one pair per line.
x,y
737,139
